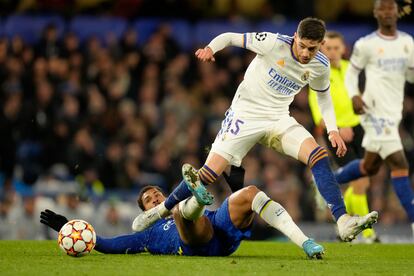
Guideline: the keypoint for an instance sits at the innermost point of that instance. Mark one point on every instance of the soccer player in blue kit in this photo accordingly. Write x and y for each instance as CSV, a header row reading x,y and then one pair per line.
x,y
194,231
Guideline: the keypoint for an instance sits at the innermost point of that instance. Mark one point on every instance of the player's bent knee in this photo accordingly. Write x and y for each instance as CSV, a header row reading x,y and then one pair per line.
x,y
247,194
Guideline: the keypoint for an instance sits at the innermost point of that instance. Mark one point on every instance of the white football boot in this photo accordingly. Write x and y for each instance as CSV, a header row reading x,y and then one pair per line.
x,y
350,226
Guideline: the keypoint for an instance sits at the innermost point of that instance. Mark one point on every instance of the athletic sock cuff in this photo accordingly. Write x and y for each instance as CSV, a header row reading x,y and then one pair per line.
x,y
207,175
316,155
260,201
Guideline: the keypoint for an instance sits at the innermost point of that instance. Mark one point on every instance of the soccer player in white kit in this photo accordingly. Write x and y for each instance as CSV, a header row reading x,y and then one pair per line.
x,y
387,55
259,113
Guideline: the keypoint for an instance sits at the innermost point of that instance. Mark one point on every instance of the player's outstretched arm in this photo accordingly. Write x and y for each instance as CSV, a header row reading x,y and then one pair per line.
x,y
52,219
205,55
125,244
218,43
338,143
328,115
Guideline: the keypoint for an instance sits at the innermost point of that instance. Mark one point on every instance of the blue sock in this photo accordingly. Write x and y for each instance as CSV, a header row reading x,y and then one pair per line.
x,y
349,172
181,192
405,193
125,244
325,181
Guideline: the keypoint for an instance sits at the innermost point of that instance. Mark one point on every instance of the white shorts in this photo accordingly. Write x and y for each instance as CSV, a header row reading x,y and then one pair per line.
x,y
238,135
381,136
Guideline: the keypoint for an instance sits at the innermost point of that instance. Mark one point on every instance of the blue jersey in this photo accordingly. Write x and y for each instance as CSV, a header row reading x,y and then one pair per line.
x,y
163,238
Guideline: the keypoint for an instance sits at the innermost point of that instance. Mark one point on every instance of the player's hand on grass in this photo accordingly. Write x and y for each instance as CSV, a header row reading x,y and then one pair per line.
x,y
359,105
347,133
53,220
205,54
337,143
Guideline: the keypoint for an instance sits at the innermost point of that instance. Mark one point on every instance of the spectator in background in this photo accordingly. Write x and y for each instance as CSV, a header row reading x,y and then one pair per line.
x,y
26,223
49,46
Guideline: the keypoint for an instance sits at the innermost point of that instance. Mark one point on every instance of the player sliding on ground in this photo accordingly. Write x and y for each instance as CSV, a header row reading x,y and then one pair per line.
x,y
194,231
259,113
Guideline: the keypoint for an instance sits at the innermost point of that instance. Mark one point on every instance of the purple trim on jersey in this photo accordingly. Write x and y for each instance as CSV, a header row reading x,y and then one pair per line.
x,y
321,91
286,39
356,67
321,60
322,56
291,52
244,40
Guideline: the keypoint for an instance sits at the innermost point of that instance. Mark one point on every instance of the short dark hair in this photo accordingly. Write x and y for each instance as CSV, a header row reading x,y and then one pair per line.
x,y
312,28
335,34
377,2
141,193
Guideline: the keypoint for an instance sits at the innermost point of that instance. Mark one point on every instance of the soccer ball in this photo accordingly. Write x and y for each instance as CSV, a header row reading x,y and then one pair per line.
x,y
77,238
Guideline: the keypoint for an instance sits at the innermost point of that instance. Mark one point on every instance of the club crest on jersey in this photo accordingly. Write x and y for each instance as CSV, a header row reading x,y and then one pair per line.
x,y
281,63
305,76
260,36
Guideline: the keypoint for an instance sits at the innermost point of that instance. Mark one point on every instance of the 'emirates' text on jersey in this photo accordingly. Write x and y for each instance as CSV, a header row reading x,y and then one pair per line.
x,y
386,61
274,76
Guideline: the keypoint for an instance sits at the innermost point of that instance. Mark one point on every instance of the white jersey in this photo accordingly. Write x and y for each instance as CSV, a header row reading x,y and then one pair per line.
x,y
274,76
386,62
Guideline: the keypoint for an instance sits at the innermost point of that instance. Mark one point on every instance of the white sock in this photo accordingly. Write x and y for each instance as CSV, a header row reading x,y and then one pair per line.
x,y
191,209
162,210
275,215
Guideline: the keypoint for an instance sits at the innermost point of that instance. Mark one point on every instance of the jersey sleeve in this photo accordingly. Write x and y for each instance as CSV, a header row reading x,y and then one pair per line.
x,y
313,105
359,57
260,43
322,82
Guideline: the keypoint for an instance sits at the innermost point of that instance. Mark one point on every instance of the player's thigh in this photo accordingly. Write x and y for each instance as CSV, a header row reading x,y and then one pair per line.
x,y
286,136
372,162
236,137
397,161
195,232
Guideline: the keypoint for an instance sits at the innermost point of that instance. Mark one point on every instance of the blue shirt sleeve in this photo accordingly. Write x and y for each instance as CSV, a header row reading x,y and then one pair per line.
x,y
124,244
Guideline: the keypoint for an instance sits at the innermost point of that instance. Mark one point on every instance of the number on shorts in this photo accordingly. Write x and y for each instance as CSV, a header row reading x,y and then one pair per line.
x,y
235,130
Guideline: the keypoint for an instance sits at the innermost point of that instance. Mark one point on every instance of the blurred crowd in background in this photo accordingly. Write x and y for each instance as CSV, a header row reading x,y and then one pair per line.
x,y
84,125
343,10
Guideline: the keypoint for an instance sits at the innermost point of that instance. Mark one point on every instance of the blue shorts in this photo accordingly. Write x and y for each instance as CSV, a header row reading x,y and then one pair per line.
x,y
226,238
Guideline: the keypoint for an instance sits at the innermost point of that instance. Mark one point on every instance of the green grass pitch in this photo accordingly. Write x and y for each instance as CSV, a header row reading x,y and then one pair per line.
x,y
252,258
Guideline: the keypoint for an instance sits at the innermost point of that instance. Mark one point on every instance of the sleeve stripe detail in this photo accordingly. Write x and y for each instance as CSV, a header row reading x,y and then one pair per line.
x,y
324,62
244,40
285,39
356,67
322,56
321,91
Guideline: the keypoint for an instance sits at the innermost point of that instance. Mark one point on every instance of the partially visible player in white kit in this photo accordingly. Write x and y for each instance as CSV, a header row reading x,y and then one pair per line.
x,y
387,55
259,113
